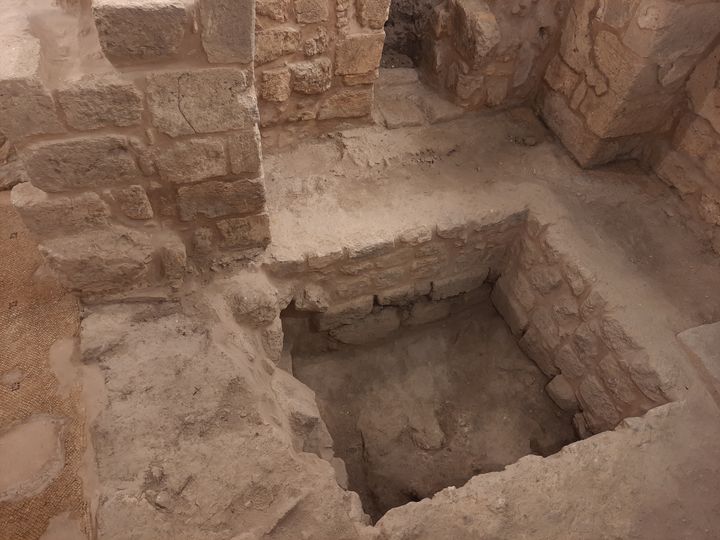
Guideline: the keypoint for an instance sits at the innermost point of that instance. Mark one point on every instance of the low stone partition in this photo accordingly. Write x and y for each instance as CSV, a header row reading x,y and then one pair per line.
x,y
597,367
137,125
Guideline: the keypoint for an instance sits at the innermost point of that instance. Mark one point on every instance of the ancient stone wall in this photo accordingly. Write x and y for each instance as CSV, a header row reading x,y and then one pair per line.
x,y
317,59
690,160
136,123
619,77
489,54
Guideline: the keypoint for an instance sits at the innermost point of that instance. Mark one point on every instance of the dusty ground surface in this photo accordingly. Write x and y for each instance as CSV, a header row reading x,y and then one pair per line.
x,y
433,406
200,436
42,425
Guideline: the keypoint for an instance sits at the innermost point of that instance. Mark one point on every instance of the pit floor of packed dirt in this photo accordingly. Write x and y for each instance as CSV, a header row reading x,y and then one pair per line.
x,y
188,440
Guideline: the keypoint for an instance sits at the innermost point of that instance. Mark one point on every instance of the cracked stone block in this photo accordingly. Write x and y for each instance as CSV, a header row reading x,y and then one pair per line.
x,y
228,30
276,42
356,54
48,216
245,233
86,162
138,30
217,199
94,102
192,160
201,101
26,107
245,152
311,76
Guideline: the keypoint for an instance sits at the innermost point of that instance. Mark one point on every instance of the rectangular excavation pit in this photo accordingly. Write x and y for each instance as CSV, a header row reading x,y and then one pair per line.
x,y
453,352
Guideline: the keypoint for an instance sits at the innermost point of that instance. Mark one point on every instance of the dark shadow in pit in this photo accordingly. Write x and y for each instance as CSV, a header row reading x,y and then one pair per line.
x,y
430,405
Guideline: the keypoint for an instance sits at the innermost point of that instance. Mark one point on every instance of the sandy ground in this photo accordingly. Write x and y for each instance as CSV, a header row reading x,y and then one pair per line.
x,y
42,426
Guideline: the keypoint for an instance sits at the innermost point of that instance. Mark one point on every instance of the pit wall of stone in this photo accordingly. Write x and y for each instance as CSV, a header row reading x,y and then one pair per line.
x,y
551,304
317,59
137,127
689,160
619,78
489,54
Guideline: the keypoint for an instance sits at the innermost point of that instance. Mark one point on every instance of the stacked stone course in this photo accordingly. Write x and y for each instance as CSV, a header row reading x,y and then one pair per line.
x,y
148,165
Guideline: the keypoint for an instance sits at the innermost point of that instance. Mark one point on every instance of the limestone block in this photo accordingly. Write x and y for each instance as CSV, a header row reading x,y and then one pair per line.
x,y
509,306
373,13
358,53
311,11
26,107
625,71
597,405
371,328
426,311
272,342
317,43
275,42
245,152
616,13
534,345
173,258
245,233
365,78
100,261
576,44
134,202
617,380
86,162
561,392
252,299
678,170
475,30
311,76
138,30
94,102
345,313
275,84
404,294
216,199
455,285
318,261
664,31
352,102
47,216
313,297
570,364
201,101
273,9
228,30
191,160
560,77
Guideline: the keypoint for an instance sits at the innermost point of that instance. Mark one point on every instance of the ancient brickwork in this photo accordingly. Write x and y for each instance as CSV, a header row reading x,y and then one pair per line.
x,y
620,74
690,160
142,146
317,59
490,54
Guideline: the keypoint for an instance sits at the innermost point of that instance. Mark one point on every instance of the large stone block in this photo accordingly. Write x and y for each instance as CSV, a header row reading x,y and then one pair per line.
x,y
100,261
597,405
245,152
26,107
48,217
191,160
217,199
373,13
87,162
353,102
626,73
228,30
275,84
201,101
311,76
95,102
476,31
245,233
275,42
359,53
140,29
311,11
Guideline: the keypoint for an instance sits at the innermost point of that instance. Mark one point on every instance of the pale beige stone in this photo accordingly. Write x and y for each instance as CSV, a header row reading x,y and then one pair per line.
x,y
50,216
456,285
216,199
274,9
373,13
80,163
358,53
317,43
201,101
509,307
228,30
245,152
276,42
311,76
245,233
560,77
134,202
562,393
140,30
275,85
475,30
94,102
191,160
353,102
311,11
627,73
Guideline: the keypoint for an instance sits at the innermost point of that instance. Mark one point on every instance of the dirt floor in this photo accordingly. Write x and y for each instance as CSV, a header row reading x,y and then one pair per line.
x,y
42,425
432,406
